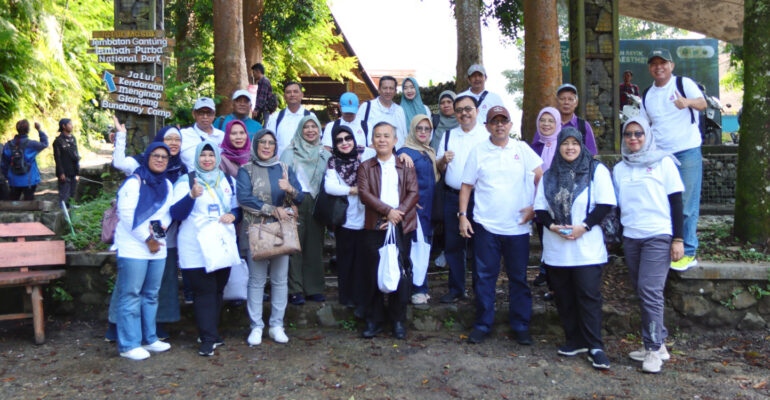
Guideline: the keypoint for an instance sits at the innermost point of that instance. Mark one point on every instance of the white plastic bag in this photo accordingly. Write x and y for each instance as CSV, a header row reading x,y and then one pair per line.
x,y
388,272
218,246
420,256
237,283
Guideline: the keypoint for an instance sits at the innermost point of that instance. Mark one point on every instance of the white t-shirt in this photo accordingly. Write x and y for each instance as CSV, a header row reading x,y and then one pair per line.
x,y
358,133
287,128
671,126
460,143
643,197
130,243
393,115
190,254
589,249
389,182
504,182
191,137
490,101
335,186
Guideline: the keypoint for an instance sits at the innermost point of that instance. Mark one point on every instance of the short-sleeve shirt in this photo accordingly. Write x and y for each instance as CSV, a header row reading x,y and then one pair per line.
x,y
393,115
589,249
490,100
287,128
504,183
643,197
673,128
461,143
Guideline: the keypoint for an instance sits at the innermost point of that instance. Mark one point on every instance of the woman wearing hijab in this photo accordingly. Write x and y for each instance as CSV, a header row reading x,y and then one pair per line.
x,y
266,188
143,198
574,196
168,295
210,200
236,147
650,199
307,158
411,101
445,120
548,128
340,180
424,157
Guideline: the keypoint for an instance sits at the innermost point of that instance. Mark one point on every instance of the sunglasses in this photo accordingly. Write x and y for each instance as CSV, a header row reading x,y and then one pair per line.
x,y
346,138
422,129
636,134
467,109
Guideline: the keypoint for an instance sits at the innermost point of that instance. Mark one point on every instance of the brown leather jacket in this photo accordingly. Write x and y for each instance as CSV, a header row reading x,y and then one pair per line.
x,y
369,181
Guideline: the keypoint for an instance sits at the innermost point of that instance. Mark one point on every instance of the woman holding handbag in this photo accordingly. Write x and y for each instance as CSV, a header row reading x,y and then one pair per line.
x,y
418,148
307,158
206,205
265,186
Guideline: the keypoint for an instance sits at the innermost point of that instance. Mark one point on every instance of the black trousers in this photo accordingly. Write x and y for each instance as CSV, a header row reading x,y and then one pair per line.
x,y
579,302
3,190
67,188
16,193
349,265
207,299
376,310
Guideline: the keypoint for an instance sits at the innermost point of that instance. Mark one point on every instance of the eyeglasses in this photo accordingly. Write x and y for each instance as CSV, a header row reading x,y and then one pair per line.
x,y
346,138
498,121
422,129
636,134
268,143
467,109
161,157
205,113
172,140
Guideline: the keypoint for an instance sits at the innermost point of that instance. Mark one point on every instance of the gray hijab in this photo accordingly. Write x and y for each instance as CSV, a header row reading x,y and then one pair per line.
x,y
255,158
444,123
649,154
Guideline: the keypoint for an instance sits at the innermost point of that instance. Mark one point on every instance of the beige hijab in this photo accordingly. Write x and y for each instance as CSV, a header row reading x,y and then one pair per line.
x,y
413,143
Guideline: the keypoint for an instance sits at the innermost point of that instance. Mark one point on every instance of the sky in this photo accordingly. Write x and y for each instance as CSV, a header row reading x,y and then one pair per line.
x,y
421,35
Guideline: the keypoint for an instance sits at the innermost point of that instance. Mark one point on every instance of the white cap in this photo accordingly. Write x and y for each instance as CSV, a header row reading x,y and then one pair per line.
x,y
477,68
242,93
204,102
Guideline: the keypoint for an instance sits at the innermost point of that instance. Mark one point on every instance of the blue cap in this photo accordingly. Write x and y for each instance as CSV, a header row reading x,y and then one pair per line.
x,y
349,102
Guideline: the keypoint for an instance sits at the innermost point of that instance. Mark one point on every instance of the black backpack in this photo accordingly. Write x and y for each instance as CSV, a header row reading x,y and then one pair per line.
x,y
271,103
19,164
280,118
680,88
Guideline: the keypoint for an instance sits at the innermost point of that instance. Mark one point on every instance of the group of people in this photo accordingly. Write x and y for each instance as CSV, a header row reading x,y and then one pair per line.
x,y
403,171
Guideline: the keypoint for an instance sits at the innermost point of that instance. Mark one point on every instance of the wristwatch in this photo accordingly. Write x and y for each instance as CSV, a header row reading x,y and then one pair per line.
x,y
588,228
464,214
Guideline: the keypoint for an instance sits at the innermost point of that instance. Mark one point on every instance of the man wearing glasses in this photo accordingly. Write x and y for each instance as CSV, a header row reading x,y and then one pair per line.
x,y
504,173
202,129
452,153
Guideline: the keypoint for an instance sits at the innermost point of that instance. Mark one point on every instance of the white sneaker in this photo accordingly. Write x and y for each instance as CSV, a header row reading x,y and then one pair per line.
x,y
276,333
641,354
137,353
652,362
157,347
255,337
440,261
420,298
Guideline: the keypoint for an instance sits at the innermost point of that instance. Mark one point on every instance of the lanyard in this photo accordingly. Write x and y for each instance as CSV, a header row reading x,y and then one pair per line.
x,y
211,192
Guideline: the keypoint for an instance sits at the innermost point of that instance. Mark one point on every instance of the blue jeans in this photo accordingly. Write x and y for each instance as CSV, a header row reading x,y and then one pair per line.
x,y
455,245
691,172
137,285
514,249
168,294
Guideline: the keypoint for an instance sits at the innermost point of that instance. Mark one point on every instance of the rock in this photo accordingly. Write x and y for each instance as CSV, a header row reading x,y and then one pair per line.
x,y
91,298
326,316
724,290
763,306
691,286
723,317
691,305
752,321
744,300
89,259
426,322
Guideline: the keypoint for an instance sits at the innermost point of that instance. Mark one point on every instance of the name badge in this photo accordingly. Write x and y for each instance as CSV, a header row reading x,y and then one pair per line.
x,y
214,210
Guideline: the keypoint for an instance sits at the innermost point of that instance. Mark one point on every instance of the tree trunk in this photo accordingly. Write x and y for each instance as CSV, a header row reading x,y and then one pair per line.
x,y
229,58
752,191
184,23
542,61
252,35
468,16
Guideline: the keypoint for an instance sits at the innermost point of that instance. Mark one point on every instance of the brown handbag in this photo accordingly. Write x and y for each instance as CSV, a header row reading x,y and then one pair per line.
x,y
267,240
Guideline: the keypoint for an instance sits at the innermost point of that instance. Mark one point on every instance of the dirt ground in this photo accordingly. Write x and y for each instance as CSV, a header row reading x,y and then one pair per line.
x,y
335,363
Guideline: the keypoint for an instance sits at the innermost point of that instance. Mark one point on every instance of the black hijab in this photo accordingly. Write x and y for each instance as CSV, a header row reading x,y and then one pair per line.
x,y
346,165
565,180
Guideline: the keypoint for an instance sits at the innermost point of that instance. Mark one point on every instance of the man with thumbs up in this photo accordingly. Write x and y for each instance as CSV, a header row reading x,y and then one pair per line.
x,y
672,105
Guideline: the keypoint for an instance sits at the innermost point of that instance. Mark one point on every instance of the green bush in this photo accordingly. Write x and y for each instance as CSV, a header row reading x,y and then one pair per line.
x,y
87,223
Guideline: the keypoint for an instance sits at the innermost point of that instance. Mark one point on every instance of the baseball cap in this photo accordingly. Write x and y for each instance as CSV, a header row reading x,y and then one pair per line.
x,y
477,68
662,53
241,93
497,111
566,86
204,102
349,102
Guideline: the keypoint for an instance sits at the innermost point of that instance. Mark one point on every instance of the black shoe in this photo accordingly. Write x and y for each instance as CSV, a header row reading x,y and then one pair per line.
x,y
477,336
296,299
359,312
112,333
548,296
161,333
372,330
450,298
599,360
399,330
217,342
317,297
206,349
539,279
522,337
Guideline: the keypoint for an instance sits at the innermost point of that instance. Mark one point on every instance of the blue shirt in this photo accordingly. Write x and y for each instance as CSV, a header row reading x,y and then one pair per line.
x,y
31,150
252,126
426,181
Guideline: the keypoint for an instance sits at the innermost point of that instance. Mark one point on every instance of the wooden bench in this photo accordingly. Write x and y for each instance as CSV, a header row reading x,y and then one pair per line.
x,y
16,257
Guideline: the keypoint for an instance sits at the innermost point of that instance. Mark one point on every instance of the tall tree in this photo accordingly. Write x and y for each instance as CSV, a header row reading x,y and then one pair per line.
x,y
542,60
253,39
752,191
229,57
468,16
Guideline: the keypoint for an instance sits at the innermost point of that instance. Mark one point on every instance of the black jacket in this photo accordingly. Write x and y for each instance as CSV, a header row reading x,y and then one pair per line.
x,y
65,153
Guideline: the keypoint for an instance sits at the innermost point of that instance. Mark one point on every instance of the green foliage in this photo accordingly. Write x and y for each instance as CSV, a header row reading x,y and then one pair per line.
x,y
733,79
348,324
758,292
719,243
729,302
87,223
632,28
509,15
58,293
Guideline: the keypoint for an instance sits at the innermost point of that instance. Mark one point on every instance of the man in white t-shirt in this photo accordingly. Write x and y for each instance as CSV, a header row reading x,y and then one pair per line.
x,y
672,105
504,173
203,113
477,77
452,154
383,109
348,109
284,122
